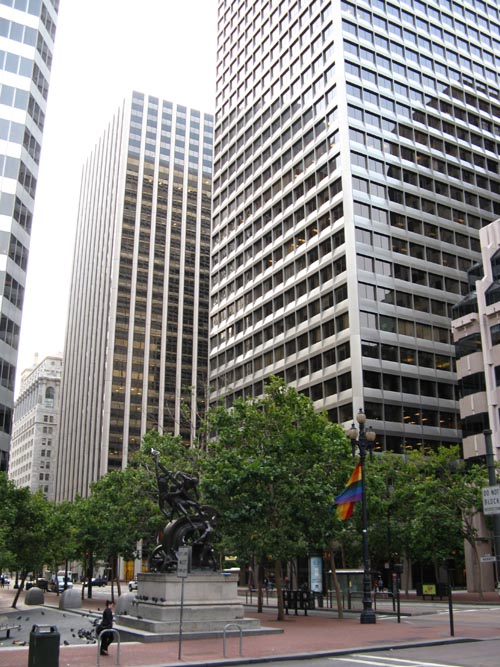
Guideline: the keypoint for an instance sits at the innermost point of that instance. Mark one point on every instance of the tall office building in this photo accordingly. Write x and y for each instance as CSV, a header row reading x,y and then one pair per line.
x,y
476,332
27,32
355,160
136,345
34,430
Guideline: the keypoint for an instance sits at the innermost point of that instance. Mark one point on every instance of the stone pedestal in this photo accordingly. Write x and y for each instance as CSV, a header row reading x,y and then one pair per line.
x,y
210,603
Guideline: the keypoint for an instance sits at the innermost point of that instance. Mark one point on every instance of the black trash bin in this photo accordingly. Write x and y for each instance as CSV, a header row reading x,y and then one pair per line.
x,y
44,646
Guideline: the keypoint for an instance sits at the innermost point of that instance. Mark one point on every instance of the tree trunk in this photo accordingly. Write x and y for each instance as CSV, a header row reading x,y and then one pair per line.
x,y
19,589
479,569
278,575
338,596
260,583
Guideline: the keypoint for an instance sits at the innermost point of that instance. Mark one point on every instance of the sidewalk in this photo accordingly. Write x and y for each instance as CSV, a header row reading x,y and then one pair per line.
x,y
318,634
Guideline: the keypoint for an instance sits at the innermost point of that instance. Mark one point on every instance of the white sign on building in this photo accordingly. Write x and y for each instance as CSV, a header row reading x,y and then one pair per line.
x,y
491,499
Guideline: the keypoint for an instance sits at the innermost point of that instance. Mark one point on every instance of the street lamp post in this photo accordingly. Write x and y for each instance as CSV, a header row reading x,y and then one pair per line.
x,y
364,440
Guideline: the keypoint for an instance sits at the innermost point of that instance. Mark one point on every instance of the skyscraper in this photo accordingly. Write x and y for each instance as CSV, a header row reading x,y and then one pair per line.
x,y
476,332
137,337
34,430
27,32
355,160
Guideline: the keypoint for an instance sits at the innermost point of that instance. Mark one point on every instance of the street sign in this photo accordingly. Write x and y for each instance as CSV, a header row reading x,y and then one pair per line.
x,y
183,561
491,499
488,559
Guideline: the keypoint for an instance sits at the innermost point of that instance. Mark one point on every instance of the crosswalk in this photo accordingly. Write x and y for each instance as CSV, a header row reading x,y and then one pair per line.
x,y
382,660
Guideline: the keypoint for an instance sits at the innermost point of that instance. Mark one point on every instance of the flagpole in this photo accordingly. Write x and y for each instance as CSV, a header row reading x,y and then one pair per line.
x,y
365,442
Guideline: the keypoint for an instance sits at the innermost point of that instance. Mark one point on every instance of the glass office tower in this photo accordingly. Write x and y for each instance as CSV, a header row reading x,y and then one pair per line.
x,y
27,32
355,160
136,345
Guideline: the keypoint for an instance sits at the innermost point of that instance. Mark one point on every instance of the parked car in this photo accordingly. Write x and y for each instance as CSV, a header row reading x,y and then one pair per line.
x,y
4,580
99,581
132,585
56,583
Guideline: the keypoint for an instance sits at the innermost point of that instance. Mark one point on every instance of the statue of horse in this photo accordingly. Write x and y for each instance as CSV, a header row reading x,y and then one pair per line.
x,y
190,523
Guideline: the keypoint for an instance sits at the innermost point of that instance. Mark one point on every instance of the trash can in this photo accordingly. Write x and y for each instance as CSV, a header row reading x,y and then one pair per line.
x,y
44,646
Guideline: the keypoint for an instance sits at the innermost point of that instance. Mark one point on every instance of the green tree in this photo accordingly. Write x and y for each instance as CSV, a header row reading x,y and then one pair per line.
x,y
61,535
269,471
7,521
29,533
422,506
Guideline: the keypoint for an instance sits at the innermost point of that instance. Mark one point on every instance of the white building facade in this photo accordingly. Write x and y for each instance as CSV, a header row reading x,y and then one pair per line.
x,y
355,161
27,32
35,427
137,337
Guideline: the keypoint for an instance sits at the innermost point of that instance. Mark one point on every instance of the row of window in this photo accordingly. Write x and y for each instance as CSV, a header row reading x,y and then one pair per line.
x,y
411,200
411,73
315,364
30,6
18,252
489,9
482,35
27,180
36,113
427,253
407,198
17,32
412,274
426,160
413,41
406,355
414,415
9,332
398,325
415,302
409,385
292,320
376,81
40,82
449,149
22,214
13,291
415,135
445,235
426,119
284,325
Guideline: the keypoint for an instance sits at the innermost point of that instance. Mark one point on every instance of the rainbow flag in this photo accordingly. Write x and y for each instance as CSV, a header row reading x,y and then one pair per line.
x,y
350,495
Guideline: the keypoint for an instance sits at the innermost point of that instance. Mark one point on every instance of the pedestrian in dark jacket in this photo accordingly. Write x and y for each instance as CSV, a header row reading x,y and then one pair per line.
x,y
106,624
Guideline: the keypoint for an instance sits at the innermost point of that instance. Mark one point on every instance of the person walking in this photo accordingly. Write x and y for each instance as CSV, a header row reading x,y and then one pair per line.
x,y
106,624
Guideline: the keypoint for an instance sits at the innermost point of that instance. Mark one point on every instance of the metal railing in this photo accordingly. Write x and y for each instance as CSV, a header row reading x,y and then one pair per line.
x,y
116,634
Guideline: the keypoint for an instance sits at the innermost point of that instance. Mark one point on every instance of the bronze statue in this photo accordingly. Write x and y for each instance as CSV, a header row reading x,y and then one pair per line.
x,y
189,522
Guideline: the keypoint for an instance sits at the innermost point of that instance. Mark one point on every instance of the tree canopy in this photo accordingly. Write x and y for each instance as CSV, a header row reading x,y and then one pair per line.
x,y
270,471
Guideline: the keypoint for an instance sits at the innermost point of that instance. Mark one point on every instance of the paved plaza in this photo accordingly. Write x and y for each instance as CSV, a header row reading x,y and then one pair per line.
x,y
320,633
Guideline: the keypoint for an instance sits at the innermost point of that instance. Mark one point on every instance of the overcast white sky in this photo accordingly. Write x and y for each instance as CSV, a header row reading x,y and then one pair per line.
x,y
104,49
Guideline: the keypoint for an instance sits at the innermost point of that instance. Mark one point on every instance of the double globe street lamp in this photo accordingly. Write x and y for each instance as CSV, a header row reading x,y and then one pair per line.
x,y
364,439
